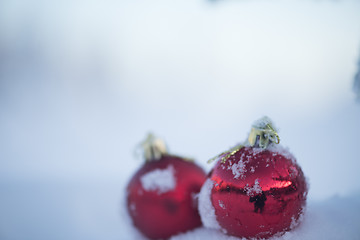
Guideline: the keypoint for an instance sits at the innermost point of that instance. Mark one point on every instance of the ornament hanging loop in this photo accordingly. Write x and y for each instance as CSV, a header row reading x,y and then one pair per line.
x,y
263,134
153,148
226,155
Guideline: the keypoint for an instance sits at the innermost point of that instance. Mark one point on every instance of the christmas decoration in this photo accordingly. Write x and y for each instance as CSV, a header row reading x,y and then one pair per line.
x,y
256,189
161,196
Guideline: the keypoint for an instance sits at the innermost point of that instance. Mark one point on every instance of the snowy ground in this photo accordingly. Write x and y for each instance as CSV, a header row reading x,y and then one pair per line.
x,y
83,82
96,211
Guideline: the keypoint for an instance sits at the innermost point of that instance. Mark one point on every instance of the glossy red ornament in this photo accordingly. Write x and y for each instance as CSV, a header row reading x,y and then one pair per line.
x,y
256,192
161,197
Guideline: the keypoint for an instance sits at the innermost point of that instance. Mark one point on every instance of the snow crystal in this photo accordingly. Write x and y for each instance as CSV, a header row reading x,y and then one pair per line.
x,y
255,151
221,204
206,209
238,169
296,222
278,149
255,189
263,122
160,180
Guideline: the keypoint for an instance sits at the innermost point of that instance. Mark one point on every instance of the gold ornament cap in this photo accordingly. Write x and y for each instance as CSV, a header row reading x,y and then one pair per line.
x,y
263,133
153,148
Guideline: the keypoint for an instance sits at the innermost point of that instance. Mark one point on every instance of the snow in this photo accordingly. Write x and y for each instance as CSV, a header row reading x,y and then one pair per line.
x,y
323,220
263,122
160,180
97,211
222,205
357,82
279,149
206,209
296,222
238,169
255,189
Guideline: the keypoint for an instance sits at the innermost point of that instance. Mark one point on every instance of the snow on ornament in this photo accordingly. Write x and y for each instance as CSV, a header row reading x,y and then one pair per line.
x,y
161,196
256,189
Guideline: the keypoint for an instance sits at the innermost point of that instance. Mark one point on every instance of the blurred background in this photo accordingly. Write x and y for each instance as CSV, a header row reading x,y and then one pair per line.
x,y
83,82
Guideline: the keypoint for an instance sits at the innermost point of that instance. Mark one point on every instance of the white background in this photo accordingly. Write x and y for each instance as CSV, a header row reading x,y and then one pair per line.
x,y
83,82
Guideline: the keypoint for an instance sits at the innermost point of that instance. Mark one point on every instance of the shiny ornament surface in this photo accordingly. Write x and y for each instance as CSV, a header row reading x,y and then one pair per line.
x,y
161,197
257,192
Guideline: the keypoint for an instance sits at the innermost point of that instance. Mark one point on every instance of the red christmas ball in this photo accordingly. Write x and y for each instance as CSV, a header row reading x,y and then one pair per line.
x,y
254,192
161,196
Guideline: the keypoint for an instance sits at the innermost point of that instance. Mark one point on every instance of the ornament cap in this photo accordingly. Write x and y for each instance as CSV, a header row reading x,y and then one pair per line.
x,y
153,148
263,133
